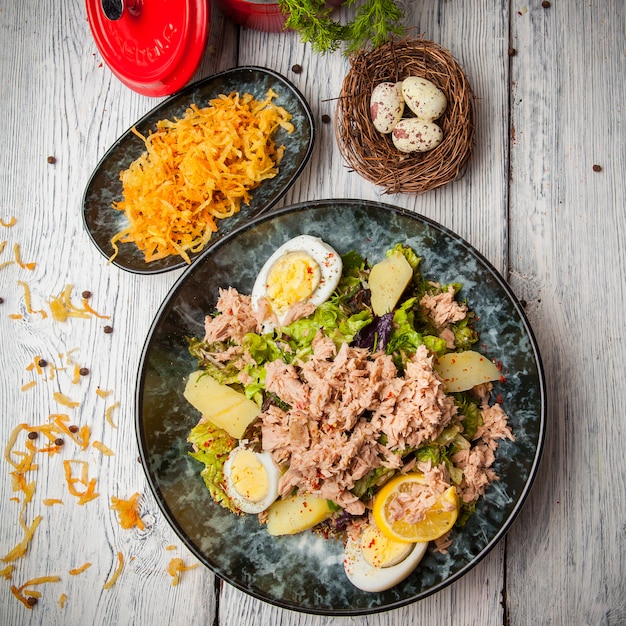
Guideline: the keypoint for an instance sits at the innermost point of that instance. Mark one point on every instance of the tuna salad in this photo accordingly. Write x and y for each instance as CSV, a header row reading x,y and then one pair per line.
x,y
326,407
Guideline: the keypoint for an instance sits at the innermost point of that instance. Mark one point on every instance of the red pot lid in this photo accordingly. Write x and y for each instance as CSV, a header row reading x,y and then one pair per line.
x,y
152,46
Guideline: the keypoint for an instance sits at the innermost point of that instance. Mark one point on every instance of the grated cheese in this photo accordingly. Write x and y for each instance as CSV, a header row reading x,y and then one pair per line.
x,y
79,570
176,567
197,170
22,593
18,259
108,412
89,493
116,573
12,221
62,307
61,398
127,512
27,300
98,445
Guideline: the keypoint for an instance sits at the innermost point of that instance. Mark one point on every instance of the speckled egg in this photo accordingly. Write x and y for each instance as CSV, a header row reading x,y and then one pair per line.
x,y
424,98
415,135
386,106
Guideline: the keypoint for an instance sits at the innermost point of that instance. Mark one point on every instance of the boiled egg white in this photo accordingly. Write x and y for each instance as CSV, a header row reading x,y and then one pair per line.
x,y
303,270
251,479
373,562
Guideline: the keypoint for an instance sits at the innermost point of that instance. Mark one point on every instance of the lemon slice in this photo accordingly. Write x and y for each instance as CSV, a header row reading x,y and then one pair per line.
x,y
439,519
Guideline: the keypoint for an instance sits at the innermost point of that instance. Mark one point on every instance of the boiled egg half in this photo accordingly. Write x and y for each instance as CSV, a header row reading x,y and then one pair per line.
x,y
251,479
303,270
375,563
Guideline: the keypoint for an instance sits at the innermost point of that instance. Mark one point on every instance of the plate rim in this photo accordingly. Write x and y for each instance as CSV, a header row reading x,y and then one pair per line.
x,y
181,94
533,468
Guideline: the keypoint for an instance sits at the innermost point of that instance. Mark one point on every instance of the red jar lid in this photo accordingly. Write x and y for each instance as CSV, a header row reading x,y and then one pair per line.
x,y
152,46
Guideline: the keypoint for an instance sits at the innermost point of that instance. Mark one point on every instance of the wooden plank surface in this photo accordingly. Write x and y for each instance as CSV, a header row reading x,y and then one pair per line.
x,y
530,201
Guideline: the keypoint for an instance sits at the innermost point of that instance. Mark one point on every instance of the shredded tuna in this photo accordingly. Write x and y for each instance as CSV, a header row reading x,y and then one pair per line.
x,y
330,437
236,319
443,308
476,461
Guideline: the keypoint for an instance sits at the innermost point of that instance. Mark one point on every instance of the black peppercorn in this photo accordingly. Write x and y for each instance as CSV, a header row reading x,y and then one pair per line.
x,y
83,371
42,363
108,329
58,441
33,434
296,69
52,160
86,295
597,168
73,428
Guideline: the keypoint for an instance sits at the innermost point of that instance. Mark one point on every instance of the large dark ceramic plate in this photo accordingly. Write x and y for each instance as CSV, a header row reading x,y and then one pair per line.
x,y
102,221
304,572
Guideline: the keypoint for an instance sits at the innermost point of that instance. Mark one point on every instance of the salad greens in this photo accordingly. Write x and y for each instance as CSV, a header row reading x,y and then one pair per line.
x,y
346,317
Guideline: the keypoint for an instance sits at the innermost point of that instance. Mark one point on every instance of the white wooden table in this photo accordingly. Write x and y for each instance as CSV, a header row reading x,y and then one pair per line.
x,y
531,201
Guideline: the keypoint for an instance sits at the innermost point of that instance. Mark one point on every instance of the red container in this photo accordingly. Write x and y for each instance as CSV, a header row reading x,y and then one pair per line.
x,y
263,15
152,46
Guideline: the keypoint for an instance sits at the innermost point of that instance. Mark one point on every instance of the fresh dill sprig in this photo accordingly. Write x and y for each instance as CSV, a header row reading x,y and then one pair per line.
x,y
375,22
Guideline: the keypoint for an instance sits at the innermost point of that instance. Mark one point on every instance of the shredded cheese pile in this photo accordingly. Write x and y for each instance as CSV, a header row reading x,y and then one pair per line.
x,y
197,170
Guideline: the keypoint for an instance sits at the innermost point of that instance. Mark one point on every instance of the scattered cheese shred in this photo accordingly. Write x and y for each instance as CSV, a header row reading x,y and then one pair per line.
x,y
116,573
127,512
62,307
22,593
94,313
29,385
80,437
27,299
89,493
98,445
197,170
52,501
62,600
176,567
18,259
108,412
64,400
12,221
7,572
102,393
20,549
79,570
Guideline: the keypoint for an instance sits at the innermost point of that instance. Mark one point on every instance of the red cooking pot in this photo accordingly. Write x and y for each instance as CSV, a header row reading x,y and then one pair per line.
x,y
264,15
152,46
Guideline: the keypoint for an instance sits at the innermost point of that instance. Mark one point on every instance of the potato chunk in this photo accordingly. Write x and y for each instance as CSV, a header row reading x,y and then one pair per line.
x,y
387,281
296,514
461,371
222,405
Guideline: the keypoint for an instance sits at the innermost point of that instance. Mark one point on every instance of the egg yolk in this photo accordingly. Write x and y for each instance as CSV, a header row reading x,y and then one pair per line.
x,y
249,476
291,279
379,551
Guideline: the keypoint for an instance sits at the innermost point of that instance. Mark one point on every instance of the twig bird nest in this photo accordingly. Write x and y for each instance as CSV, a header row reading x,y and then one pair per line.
x,y
373,155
